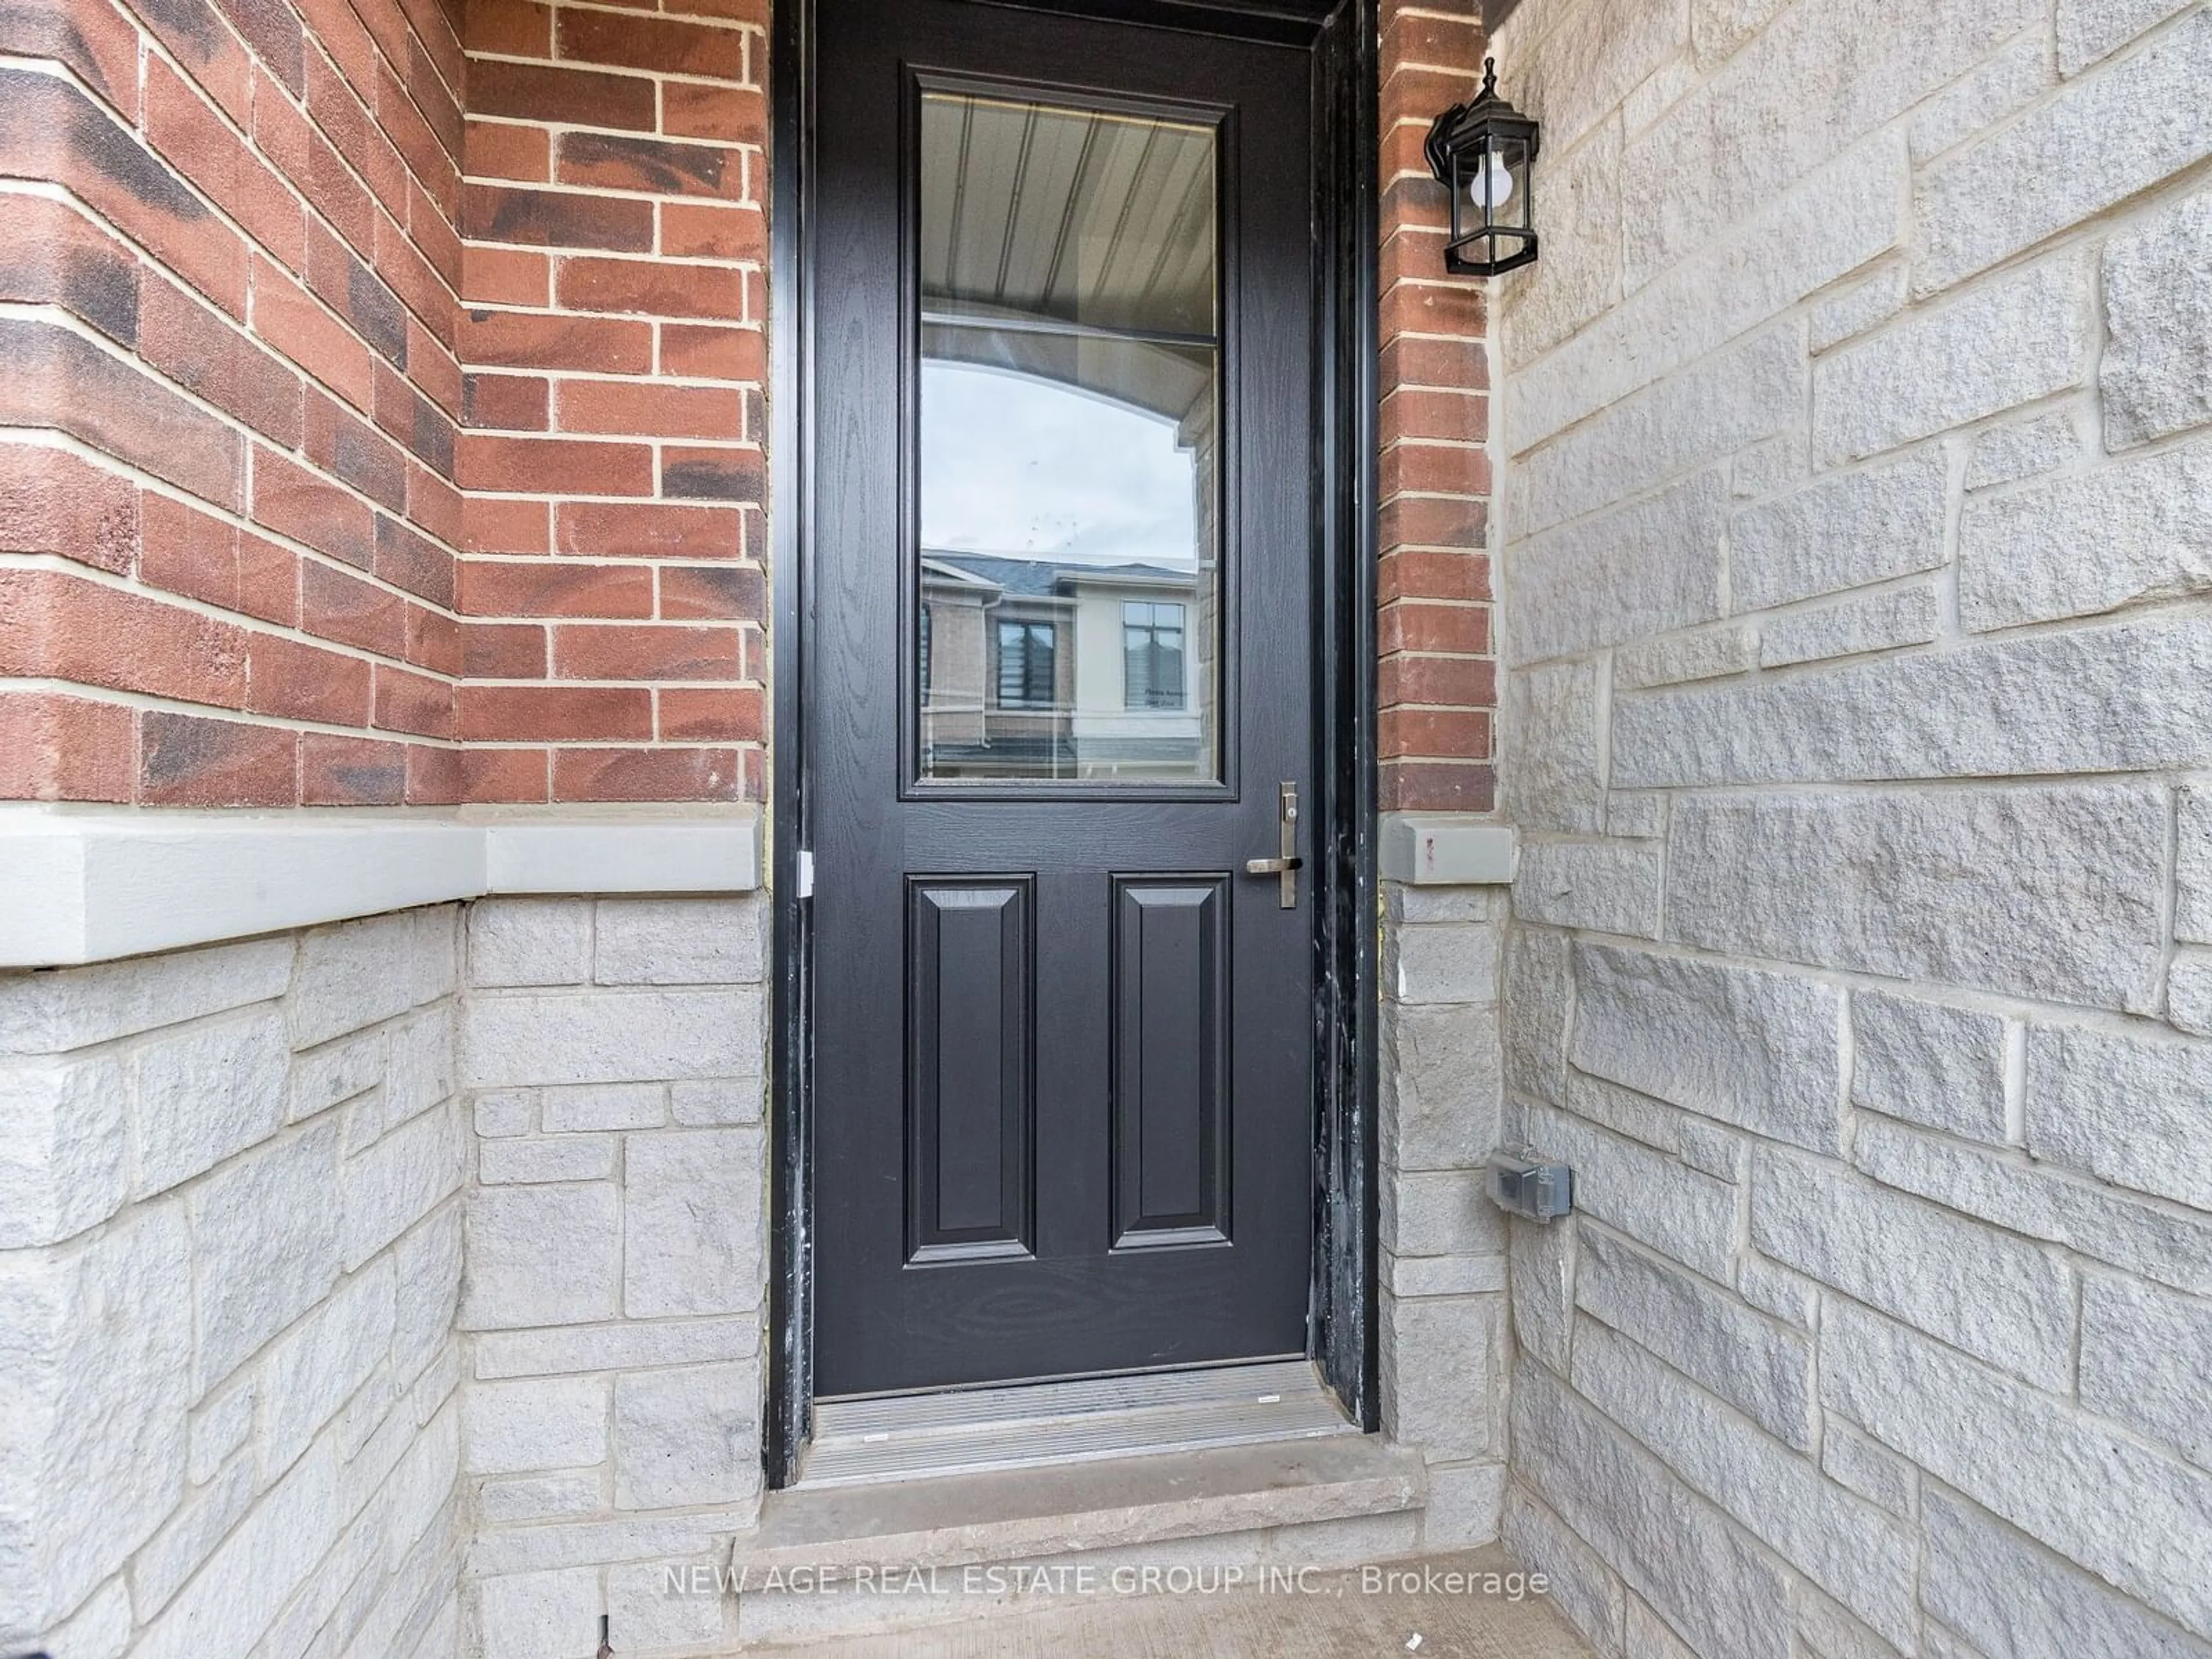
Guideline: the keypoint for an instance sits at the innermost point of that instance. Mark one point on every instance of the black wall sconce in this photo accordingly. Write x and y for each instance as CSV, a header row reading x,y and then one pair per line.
x,y
1485,152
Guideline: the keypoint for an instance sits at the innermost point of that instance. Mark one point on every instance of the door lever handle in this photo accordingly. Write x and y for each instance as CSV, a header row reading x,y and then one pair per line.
x,y
1289,864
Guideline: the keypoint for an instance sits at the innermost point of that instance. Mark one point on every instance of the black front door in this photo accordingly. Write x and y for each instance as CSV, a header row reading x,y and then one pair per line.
x,y
1060,693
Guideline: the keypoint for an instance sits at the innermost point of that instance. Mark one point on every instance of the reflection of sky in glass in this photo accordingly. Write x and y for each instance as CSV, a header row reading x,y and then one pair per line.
x,y
1025,467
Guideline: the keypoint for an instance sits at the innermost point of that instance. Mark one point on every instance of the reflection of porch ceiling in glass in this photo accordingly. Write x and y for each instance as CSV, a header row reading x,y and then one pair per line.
x,y
1035,214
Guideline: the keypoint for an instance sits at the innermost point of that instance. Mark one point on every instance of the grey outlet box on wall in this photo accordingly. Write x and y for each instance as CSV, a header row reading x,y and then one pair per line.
x,y
1527,1184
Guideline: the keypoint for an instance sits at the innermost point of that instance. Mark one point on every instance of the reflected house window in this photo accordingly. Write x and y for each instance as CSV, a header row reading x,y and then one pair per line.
x,y
1152,656
1026,665
1069,606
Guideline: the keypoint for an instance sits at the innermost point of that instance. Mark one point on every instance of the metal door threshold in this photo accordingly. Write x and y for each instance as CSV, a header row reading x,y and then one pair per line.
x,y
1039,1425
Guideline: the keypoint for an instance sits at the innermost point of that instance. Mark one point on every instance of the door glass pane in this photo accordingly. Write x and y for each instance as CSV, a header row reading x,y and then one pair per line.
x,y
1070,478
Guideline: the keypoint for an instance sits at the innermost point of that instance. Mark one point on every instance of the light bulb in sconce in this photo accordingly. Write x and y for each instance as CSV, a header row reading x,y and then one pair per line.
x,y
1492,184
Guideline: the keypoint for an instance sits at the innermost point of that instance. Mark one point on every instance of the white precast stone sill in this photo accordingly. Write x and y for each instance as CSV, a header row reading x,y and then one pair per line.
x,y
80,886
1445,849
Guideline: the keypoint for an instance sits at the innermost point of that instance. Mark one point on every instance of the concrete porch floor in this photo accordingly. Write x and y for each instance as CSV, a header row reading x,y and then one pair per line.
x,y
1337,1617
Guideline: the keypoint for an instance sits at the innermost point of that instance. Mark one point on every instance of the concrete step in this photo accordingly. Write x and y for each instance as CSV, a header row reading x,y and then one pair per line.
x,y
1039,1425
827,1561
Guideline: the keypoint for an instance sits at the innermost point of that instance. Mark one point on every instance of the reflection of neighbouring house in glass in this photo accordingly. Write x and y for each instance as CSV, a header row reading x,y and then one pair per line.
x,y
1037,668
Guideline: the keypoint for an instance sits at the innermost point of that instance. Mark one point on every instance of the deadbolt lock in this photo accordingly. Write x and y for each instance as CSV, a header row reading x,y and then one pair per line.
x,y
1289,864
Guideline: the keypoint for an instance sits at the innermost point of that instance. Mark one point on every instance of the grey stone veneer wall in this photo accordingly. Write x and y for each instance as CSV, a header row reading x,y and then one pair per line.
x,y
612,1052
230,1253
1855,471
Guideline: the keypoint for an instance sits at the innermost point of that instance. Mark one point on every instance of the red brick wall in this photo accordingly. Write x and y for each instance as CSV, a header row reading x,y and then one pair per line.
x,y
1438,672
615,287
228,398
245,556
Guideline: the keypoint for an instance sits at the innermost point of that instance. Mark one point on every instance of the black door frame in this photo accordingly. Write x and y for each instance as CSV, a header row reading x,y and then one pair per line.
x,y
1343,1331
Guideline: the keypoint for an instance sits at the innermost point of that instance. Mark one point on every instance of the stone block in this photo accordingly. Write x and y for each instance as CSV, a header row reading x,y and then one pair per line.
x,y
2141,1521
1541,1278
1851,627
2188,991
599,1106
687,1437
1582,1586
202,1092
2131,697
1443,963
63,1146
530,941
355,975
1743,393
539,1497
50,1013
335,1073
1841,531
1856,1552
2006,1300
1607,886
541,1255
1590,60
548,1422
2006,1594
1625,1112
693,1201
398,1182
2091,29
428,1262
611,1036
1409,1276
1846,214
1644,568
704,1102
500,1113
2080,544
2129,1110
1465,1503
2005,454
1674,1548
1934,369
1757,1049
1930,1064
315,1370
219,1429
233,1599
540,1615
1868,1468
2043,1201
1857,309
2105,138
265,1235
2002,83
1803,88
558,1158
1439,1212
1763,1369
1440,1381
651,1613
419,1069
680,942
1440,1085
1542,304
619,1347
1554,773
1722,1153
2147,1361
1683,1214
97,1344
1704,653
2054,892
1533,1013
2157,370
2192,908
